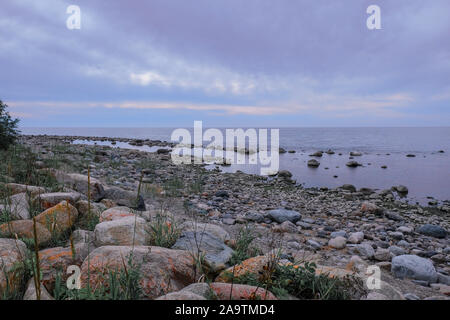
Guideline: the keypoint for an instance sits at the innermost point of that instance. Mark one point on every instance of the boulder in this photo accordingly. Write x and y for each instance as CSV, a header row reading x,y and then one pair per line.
x,y
83,208
124,198
353,164
30,292
432,231
356,237
313,163
414,267
210,228
24,229
371,208
56,260
163,270
338,242
116,213
59,218
181,295
228,291
122,232
17,206
79,183
281,215
12,254
382,254
15,188
254,265
48,200
216,253
365,250
284,174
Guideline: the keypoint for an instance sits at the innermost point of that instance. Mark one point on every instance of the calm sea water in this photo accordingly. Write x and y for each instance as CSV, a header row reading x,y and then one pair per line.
x,y
426,175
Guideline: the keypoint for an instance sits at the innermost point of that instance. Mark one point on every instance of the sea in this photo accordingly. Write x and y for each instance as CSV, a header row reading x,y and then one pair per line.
x,y
426,175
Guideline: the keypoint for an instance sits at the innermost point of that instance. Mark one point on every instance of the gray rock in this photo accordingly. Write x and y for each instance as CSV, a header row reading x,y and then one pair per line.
x,y
284,174
313,163
338,242
340,233
281,215
122,232
314,244
217,254
202,289
414,267
365,250
397,251
213,229
17,206
432,231
30,293
356,237
382,255
411,296
254,216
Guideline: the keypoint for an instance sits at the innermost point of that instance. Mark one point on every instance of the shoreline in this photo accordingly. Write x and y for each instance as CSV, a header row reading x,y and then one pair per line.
x,y
426,199
342,229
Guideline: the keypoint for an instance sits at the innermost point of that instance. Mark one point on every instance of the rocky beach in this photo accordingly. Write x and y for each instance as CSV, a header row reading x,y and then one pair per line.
x,y
199,233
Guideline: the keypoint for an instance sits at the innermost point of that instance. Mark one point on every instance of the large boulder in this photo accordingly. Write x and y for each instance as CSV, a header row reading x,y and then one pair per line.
x,y
15,188
432,231
12,254
213,229
48,200
254,265
30,292
282,215
95,207
163,270
124,198
116,213
24,229
414,267
79,183
59,218
17,206
228,291
122,232
216,253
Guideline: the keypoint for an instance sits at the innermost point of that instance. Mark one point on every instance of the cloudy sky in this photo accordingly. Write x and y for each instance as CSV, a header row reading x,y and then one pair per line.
x,y
226,62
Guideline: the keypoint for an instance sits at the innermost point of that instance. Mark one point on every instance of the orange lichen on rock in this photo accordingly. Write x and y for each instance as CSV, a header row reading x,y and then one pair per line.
x,y
58,218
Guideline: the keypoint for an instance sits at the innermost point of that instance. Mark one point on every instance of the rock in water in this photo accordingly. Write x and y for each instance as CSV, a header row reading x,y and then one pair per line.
x,y
413,267
313,163
282,215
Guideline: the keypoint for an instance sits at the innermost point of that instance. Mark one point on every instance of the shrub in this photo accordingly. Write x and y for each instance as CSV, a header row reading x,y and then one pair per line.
x,y
8,128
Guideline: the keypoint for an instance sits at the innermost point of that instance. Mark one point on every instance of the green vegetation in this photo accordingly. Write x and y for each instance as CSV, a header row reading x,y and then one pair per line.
x,y
121,284
8,128
164,231
302,282
243,249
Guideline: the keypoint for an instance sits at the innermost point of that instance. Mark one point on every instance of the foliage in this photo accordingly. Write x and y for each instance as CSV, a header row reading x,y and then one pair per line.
x,y
302,282
164,231
8,128
243,250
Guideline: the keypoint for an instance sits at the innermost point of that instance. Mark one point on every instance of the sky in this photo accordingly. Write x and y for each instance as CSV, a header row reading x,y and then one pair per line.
x,y
250,63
